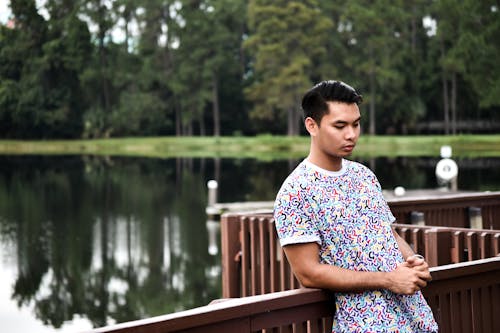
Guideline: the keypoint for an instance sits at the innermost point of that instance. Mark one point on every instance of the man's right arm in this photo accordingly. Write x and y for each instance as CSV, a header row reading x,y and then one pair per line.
x,y
304,260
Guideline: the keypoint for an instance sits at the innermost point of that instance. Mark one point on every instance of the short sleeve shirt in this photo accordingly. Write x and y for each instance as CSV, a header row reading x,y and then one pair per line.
x,y
345,213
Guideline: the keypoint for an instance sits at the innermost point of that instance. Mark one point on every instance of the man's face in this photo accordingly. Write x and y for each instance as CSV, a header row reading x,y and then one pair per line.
x,y
339,130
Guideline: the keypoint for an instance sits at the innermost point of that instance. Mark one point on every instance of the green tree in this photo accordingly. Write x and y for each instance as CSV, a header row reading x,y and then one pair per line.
x,y
156,49
98,78
466,39
209,35
217,67
372,33
410,106
447,13
21,73
286,39
190,87
138,77
477,47
406,38
226,21
66,55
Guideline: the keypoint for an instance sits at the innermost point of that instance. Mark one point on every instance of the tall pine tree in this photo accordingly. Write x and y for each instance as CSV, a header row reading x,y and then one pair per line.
x,y
286,39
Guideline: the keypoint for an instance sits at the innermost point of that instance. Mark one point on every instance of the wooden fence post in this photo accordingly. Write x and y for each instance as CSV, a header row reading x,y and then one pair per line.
x,y
231,248
437,247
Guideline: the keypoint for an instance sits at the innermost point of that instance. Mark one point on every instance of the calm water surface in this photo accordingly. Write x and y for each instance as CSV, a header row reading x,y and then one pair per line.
x,y
90,241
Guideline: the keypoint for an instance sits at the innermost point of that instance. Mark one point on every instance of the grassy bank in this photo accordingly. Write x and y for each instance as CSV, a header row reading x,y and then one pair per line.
x,y
261,147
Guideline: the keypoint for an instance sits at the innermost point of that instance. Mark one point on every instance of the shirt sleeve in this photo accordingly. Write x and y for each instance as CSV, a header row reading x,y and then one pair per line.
x,y
294,216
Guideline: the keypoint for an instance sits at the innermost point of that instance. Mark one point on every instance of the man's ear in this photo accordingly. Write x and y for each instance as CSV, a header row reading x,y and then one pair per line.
x,y
311,126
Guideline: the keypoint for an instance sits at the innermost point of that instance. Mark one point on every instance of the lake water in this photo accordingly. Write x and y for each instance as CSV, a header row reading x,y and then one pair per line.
x,y
90,241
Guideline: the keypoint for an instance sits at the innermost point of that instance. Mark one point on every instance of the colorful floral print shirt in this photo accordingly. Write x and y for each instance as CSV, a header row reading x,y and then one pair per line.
x,y
347,215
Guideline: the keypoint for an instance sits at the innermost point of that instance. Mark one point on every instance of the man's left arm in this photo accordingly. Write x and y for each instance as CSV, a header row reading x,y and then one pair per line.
x,y
417,262
404,247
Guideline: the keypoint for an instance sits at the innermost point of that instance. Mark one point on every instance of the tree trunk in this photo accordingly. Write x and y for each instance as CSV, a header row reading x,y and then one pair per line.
x,y
127,17
178,120
298,117
414,31
215,105
203,129
372,88
103,64
188,129
290,120
446,103
454,103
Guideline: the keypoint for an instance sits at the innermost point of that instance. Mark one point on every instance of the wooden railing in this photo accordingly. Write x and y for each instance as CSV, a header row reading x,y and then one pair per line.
x,y
253,262
299,310
444,245
450,210
464,298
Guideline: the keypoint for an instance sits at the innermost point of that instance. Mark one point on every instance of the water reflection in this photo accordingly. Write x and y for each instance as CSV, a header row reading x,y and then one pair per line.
x,y
116,239
112,240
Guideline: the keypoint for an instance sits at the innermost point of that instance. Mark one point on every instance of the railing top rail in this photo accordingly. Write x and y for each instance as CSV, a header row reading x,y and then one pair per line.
x,y
223,310
439,228
479,197
397,225
262,214
458,198
444,272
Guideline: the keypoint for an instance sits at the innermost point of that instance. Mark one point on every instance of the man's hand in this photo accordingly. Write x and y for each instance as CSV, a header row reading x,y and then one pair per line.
x,y
406,280
410,276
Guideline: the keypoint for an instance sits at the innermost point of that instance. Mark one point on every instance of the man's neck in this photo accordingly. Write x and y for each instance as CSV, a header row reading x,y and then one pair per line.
x,y
330,163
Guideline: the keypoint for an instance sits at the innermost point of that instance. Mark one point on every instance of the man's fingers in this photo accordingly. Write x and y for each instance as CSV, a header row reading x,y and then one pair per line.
x,y
421,283
415,260
424,275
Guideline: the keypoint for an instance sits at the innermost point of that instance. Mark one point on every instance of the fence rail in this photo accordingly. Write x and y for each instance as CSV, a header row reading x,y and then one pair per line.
x,y
451,210
443,245
299,310
464,298
253,262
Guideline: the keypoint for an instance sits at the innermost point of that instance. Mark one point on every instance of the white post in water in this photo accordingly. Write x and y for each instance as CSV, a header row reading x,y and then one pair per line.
x,y
211,210
213,226
447,169
213,229
212,192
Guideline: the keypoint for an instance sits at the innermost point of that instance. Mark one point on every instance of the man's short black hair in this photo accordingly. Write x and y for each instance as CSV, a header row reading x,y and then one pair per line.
x,y
314,102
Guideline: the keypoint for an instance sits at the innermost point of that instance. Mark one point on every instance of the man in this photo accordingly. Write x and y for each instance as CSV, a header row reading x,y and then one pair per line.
x,y
335,226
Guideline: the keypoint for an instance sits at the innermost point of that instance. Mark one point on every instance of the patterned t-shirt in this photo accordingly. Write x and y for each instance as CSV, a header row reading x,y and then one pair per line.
x,y
347,215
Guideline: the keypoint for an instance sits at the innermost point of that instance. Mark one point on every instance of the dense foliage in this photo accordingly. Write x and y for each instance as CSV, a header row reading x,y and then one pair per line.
x,y
97,68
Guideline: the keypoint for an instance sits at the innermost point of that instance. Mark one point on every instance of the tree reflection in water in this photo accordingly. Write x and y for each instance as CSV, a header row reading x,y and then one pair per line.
x,y
117,239
110,239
